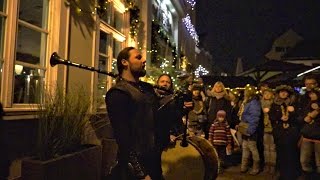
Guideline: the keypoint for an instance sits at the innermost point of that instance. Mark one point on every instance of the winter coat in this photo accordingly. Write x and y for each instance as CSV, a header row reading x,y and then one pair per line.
x,y
251,115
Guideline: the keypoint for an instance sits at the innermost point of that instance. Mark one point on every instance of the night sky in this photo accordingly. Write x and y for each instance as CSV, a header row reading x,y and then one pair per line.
x,y
247,28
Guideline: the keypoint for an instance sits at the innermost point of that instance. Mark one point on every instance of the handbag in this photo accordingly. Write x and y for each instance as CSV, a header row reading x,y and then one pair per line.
x,y
243,127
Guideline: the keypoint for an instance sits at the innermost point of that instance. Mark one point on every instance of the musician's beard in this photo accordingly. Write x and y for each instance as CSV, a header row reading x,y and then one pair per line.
x,y
140,73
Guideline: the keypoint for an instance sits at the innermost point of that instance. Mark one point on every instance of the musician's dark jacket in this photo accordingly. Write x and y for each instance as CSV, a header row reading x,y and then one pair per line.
x,y
169,118
132,108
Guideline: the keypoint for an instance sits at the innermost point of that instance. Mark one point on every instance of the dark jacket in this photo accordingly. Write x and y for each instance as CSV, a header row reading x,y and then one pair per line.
x,y
214,105
131,109
311,130
168,119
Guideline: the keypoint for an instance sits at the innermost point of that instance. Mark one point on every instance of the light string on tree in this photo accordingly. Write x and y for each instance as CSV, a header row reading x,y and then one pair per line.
x,y
191,29
135,21
158,34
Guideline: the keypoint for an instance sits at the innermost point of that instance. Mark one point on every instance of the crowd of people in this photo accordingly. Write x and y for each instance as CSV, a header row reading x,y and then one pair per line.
x,y
277,130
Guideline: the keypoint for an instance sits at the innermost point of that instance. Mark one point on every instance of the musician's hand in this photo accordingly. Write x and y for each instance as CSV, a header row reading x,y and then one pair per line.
x,y
147,178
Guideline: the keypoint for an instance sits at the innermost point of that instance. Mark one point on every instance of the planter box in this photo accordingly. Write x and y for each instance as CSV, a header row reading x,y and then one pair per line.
x,y
82,165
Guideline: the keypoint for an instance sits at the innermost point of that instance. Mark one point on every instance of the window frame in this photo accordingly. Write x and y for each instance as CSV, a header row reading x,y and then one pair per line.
x,y
9,52
114,35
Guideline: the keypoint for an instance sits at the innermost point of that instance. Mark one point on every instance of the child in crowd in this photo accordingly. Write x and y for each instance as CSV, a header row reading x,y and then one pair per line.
x,y
220,137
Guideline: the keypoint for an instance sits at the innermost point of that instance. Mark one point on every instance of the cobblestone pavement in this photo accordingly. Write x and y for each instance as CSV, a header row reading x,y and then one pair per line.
x,y
233,173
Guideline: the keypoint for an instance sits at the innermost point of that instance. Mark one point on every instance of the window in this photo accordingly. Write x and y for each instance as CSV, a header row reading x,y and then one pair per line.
x,y
103,65
110,44
106,14
30,51
113,14
118,21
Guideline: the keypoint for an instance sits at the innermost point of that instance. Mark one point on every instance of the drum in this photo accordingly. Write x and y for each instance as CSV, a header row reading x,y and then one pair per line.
x,y
199,160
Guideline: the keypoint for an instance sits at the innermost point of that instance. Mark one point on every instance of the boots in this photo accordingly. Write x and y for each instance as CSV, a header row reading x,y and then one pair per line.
x,y
244,167
272,169
266,168
255,168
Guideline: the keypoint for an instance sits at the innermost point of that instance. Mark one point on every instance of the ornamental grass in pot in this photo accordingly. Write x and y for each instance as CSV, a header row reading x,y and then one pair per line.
x,y
61,152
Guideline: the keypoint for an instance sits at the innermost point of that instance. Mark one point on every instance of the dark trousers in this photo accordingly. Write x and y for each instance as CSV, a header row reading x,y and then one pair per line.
x,y
221,150
150,161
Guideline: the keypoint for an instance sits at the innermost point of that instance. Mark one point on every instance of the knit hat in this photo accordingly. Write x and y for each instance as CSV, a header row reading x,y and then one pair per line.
x,y
267,90
221,113
284,88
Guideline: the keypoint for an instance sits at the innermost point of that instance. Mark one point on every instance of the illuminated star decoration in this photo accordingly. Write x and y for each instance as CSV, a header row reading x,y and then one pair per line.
x,y
192,3
200,70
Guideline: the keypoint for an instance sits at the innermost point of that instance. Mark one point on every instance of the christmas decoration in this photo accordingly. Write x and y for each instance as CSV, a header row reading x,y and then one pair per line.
x,y
191,29
134,17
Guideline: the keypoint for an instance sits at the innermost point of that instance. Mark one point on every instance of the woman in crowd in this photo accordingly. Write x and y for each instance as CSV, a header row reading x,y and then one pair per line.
x,y
249,115
217,100
285,132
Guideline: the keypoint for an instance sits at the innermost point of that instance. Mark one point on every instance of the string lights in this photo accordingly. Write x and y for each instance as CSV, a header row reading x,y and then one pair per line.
x,y
201,71
191,29
192,3
99,9
134,17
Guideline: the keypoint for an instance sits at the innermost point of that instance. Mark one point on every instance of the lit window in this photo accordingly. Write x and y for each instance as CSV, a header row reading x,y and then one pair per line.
x,y
30,52
103,65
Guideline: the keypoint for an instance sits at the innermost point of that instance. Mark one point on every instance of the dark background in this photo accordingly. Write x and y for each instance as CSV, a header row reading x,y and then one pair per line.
x,y
247,28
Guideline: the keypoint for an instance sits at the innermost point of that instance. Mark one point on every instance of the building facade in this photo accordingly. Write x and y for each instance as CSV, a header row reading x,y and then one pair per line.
x,y
88,32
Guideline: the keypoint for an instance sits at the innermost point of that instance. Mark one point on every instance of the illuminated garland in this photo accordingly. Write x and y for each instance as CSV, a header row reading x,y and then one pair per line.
x,y
191,29
134,17
159,34
100,9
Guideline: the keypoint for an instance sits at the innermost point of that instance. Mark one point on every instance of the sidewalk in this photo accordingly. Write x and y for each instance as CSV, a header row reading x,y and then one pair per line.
x,y
233,172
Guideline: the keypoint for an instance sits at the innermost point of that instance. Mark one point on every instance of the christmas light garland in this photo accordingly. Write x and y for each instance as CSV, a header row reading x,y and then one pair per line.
x,y
191,29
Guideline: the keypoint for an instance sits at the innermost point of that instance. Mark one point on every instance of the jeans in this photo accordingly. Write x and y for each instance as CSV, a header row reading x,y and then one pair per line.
x,y
269,149
249,147
307,148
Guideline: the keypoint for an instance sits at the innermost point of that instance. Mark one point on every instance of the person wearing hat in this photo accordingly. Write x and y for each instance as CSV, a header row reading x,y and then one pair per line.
x,y
220,137
268,141
310,82
249,115
285,132
197,116
310,145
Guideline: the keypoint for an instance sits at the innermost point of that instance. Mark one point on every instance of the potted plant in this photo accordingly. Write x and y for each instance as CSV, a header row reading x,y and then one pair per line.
x,y
61,153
